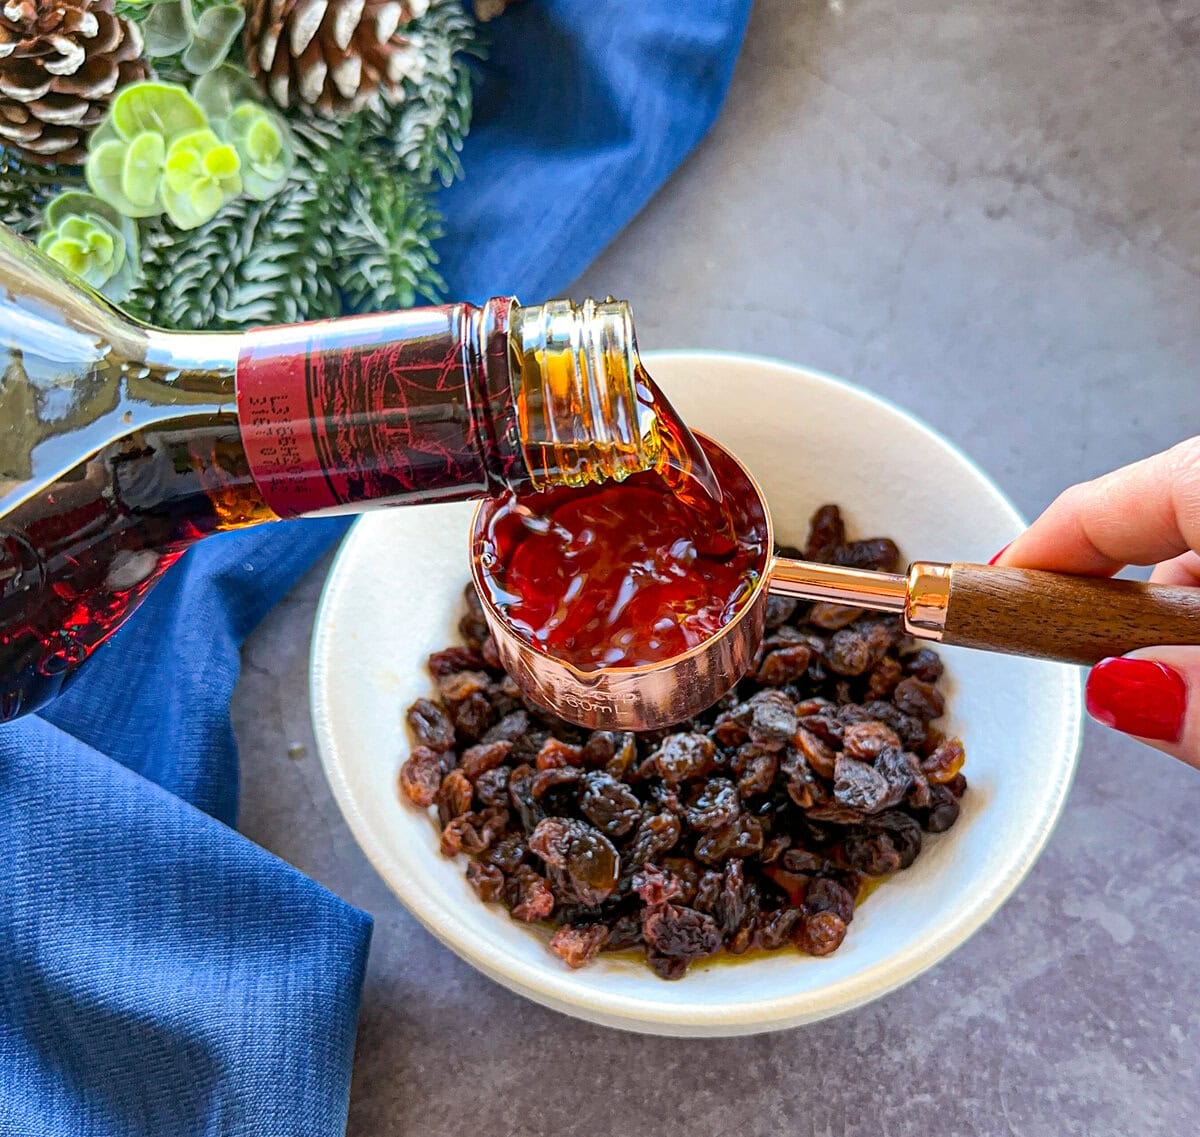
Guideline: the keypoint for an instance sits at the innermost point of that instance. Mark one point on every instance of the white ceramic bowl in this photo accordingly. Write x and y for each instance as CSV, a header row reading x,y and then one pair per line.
x,y
394,595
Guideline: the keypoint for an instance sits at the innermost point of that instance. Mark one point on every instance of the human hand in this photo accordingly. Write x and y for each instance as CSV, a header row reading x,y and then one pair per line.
x,y
1147,513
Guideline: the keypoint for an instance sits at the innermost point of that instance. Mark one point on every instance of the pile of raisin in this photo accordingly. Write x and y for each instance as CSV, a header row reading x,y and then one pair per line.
x,y
756,825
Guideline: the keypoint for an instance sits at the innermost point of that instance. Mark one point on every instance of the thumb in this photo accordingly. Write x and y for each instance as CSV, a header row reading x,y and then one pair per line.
x,y
1152,694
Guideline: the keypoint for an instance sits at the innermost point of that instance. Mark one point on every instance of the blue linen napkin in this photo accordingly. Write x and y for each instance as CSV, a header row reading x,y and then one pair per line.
x,y
159,974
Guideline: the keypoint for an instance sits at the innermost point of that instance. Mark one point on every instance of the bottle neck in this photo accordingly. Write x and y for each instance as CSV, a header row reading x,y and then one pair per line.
x,y
584,414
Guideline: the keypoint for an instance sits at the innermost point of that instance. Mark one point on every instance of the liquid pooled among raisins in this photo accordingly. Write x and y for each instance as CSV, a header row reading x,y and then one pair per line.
x,y
757,825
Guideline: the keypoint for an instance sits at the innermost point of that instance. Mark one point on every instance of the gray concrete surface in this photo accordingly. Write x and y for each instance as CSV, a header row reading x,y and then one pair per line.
x,y
989,212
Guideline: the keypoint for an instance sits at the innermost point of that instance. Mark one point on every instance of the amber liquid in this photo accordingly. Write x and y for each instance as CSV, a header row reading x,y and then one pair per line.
x,y
622,574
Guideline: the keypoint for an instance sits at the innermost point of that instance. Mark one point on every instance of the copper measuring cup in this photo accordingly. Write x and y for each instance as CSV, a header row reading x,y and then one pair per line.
x,y
1046,615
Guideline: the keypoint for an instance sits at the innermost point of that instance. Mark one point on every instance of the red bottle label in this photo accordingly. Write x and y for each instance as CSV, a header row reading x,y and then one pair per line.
x,y
392,408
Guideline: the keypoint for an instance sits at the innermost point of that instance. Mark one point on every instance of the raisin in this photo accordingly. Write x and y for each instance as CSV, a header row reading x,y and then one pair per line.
x,y
884,676
774,849
945,762
520,796
656,834
472,716
911,729
775,928
489,652
491,787
803,861
877,851
731,903
684,756
821,934
925,665
555,753
785,665
510,728
588,857
708,891
825,724
815,751
487,880
742,838
528,895
473,626
877,553
780,609
835,812
577,946
457,686
624,932
833,617
452,659
905,833
826,533
920,699
729,730
507,854
714,805
860,786
680,933
623,761
825,895
958,784
656,887
421,775
546,780
802,785
485,756
865,740
755,767
942,811
610,805
454,795
472,832
900,770
667,966
430,725
849,653
770,716
687,873
600,749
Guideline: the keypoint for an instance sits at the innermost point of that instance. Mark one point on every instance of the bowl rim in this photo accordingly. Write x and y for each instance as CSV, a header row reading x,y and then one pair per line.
x,y
546,985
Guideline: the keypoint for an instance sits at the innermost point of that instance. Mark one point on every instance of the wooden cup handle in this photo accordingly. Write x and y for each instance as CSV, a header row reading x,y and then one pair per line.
x,y
1073,619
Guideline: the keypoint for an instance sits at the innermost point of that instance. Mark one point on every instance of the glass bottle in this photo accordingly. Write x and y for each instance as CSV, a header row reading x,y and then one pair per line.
x,y
121,445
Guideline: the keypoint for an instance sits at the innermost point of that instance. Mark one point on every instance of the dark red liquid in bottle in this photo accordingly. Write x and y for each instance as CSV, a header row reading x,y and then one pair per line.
x,y
620,575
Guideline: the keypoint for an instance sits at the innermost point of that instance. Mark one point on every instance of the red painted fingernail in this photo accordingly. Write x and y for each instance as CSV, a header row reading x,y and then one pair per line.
x,y
1000,553
1138,696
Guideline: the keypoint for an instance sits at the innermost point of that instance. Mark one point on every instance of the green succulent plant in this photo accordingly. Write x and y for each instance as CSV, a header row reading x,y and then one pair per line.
x,y
128,152
201,173
88,237
202,41
262,140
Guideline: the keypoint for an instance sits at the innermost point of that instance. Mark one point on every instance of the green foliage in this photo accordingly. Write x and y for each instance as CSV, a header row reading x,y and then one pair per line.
x,y
202,41
130,150
25,189
200,174
353,225
260,140
158,151
89,237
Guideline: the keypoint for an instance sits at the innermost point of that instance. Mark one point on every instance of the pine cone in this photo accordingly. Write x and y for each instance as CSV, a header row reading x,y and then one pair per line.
x,y
60,62
334,56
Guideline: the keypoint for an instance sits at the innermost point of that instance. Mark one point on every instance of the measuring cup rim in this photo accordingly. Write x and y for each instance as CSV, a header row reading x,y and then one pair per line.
x,y
761,586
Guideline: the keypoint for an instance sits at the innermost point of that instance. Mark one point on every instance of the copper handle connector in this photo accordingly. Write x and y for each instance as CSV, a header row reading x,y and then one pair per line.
x,y
922,597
